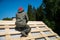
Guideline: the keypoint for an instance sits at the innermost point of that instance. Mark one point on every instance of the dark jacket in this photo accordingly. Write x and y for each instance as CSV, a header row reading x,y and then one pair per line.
x,y
21,19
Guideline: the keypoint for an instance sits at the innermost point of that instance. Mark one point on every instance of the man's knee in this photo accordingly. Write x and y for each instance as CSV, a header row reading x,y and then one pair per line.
x,y
27,30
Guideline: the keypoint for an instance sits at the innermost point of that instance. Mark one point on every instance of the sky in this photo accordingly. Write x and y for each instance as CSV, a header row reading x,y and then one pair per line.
x,y
8,8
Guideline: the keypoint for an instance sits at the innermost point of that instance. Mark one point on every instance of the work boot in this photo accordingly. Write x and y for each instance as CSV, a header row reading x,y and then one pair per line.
x,y
23,34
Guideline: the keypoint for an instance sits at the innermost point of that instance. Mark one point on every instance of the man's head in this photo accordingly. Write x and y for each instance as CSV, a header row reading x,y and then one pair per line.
x,y
20,9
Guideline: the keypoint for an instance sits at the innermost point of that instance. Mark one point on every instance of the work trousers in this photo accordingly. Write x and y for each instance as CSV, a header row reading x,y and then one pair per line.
x,y
23,28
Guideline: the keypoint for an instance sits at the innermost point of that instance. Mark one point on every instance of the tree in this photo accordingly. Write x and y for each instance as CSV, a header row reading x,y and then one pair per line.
x,y
30,13
40,13
7,18
52,14
34,13
57,17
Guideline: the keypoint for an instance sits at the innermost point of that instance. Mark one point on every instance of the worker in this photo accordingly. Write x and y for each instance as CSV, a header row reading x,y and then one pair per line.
x,y
21,22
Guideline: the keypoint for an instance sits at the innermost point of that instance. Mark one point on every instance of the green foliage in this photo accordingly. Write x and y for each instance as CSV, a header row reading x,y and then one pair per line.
x,y
48,12
7,18
34,13
30,13
50,24
53,11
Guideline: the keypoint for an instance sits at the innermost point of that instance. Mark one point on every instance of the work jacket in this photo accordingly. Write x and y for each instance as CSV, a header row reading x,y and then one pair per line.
x,y
21,19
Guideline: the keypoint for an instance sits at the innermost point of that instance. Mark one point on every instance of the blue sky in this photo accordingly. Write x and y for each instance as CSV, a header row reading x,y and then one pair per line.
x,y
8,8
